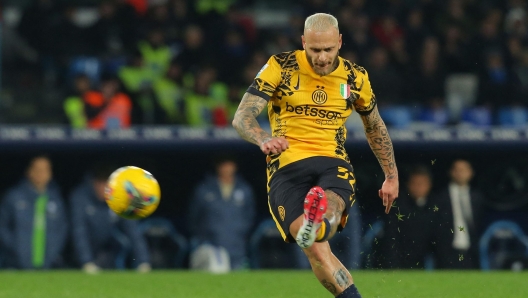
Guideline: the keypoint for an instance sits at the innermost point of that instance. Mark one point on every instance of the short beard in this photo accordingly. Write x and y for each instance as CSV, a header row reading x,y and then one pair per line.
x,y
334,64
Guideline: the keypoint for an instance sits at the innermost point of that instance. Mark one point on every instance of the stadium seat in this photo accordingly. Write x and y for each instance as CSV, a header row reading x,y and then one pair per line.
x,y
513,116
438,116
396,116
477,116
511,242
168,248
268,250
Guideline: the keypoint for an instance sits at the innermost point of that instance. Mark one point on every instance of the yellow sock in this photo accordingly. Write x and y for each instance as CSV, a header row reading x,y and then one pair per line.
x,y
322,232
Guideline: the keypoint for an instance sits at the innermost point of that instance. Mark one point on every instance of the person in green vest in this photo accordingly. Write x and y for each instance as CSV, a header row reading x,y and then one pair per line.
x,y
73,105
168,92
33,223
137,81
218,6
206,104
156,53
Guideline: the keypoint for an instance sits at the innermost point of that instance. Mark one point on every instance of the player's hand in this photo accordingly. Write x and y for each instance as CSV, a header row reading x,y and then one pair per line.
x,y
274,145
389,192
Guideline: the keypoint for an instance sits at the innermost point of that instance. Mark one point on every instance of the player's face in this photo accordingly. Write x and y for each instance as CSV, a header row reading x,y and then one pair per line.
x,y
322,49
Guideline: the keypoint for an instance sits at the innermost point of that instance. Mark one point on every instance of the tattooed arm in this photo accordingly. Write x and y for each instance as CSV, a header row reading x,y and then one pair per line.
x,y
245,122
381,144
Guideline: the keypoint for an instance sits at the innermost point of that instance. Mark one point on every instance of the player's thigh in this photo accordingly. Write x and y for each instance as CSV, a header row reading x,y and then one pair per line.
x,y
338,176
287,189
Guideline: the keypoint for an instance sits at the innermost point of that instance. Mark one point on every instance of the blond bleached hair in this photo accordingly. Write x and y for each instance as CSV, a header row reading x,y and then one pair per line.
x,y
320,22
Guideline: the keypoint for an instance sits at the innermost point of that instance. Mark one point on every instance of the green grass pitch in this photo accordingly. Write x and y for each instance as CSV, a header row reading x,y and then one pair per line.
x,y
287,284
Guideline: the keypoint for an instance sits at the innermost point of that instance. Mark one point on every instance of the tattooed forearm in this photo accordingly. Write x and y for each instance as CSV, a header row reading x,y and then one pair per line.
x,y
329,286
380,142
245,121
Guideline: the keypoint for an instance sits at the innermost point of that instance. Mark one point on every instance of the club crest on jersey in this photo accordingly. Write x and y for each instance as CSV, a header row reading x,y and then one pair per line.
x,y
344,90
319,96
282,212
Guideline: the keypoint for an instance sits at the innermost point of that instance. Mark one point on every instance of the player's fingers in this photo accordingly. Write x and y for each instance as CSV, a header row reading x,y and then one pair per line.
x,y
388,207
380,194
284,144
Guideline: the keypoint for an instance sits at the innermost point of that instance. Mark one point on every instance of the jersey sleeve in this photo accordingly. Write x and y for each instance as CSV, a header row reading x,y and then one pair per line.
x,y
366,100
266,80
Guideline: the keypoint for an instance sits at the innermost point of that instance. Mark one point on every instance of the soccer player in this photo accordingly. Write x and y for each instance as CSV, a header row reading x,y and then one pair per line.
x,y
310,93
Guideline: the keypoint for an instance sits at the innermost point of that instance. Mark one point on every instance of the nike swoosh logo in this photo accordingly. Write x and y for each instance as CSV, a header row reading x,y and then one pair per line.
x,y
361,86
298,81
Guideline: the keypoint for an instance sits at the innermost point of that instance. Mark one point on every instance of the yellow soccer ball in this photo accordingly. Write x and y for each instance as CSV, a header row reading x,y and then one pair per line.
x,y
132,192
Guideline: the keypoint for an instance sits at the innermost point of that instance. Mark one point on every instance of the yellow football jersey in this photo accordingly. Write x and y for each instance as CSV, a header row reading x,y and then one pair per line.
x,y
308,109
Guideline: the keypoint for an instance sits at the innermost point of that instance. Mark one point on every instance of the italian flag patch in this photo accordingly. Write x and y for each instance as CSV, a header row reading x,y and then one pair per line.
x,y
344,89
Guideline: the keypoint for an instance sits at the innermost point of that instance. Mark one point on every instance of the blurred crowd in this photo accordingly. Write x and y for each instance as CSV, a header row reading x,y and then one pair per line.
x,y
189,62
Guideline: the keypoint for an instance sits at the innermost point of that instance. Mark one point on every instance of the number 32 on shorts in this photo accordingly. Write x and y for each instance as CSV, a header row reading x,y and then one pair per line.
x,y
346,174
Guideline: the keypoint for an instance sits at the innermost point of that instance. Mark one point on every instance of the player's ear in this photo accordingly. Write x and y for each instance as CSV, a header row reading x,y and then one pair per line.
x,y
340,40
303,42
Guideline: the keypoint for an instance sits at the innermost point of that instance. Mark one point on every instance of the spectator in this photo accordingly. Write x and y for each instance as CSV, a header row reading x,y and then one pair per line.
x,y
181,16
455,50
487,40
356,34
156,54
33,223
94,224
415,31
74,103
428,87
522,73
384,79
206,103
107,33
108,108
37,26
193,49
169,96
386,29
498,81
458,217
222,212
408,237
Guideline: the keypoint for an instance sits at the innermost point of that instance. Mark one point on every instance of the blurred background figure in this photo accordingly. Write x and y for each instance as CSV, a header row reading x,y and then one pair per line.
x,y
222,212
408,237
74,103
33,223
459,212
94,226
108,107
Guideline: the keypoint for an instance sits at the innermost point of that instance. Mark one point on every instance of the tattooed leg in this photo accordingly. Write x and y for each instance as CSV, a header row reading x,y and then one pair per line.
x,y
334,211
327,268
